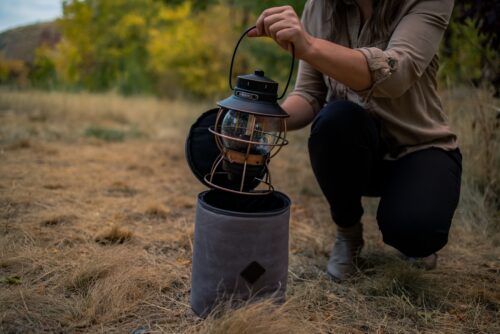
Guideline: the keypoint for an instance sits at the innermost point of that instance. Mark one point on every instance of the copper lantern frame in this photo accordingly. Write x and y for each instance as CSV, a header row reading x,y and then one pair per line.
x,y
246,159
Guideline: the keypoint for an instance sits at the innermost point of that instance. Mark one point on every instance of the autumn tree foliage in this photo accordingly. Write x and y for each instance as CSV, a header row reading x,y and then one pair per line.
x,y
161,47
183,47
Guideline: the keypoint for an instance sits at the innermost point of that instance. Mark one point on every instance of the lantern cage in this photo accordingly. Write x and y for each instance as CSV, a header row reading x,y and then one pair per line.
x,y
247,142
244,133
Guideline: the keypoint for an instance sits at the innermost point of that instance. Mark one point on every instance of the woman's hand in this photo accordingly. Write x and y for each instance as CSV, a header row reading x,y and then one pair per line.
x,y
283,25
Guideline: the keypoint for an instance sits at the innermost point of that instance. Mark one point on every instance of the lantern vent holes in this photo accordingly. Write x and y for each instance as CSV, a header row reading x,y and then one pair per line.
x,y
252,272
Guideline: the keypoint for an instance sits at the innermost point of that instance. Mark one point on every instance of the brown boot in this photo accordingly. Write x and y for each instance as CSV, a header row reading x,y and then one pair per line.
x,y
348,244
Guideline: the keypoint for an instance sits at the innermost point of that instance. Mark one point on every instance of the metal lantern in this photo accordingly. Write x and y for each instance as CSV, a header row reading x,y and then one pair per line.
x,y
249,130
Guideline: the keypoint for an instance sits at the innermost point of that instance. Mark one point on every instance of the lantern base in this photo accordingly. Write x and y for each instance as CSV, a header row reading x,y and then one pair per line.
x,y
235,171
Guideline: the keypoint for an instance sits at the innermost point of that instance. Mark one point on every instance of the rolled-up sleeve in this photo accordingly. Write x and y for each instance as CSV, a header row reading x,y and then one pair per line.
x,y
310,84
411,48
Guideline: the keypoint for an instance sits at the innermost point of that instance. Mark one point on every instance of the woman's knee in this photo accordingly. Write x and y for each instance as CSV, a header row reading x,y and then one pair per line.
x,y
419,197
413,234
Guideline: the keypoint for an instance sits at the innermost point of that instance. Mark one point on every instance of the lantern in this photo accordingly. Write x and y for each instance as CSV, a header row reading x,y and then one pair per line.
x,y
250,129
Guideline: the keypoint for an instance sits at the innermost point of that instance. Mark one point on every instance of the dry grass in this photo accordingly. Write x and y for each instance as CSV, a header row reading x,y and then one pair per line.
x,y
255,317
96,227
115,235
476,116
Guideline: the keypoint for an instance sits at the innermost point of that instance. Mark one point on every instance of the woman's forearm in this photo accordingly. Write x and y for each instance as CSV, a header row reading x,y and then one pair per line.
x,y
345,65
300,111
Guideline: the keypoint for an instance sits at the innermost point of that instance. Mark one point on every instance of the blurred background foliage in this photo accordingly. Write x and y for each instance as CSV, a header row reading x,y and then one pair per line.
x,y
470,51
166,48
179,47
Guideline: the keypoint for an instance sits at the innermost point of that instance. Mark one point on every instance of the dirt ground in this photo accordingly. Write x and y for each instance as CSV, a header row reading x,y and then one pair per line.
x,y
96,229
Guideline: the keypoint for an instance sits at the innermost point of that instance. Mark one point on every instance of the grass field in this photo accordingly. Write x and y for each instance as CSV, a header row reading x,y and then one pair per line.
x,y
97,215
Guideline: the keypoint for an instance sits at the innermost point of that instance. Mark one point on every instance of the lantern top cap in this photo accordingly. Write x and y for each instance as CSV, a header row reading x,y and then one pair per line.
x,y
255,94
259,76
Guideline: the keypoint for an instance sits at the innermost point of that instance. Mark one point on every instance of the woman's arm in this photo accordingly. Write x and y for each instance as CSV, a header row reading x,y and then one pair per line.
x,y
301,112
385,73
345,65
412,46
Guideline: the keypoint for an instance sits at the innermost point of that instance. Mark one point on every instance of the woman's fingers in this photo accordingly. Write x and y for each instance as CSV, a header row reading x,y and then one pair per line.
x,y
283,25
260,26
276,27
253,33
284,38
271,20
279,29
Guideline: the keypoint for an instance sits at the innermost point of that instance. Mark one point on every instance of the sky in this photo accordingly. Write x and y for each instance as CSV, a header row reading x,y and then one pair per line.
x,y
14,13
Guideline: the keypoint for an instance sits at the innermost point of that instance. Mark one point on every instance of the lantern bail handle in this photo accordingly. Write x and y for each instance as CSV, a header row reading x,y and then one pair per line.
x,y
234,55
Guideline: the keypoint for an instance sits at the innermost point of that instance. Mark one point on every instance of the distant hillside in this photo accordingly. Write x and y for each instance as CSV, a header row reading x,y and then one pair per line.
x,y
21,43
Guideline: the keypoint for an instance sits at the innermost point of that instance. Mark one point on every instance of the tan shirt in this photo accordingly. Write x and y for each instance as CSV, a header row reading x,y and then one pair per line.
x,y
404,94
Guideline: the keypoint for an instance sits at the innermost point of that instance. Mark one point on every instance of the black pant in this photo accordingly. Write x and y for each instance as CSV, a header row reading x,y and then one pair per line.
x,y
418,192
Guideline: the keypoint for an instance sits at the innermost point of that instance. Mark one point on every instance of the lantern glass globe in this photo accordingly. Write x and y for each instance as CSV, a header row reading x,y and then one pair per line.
x,y
239,125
